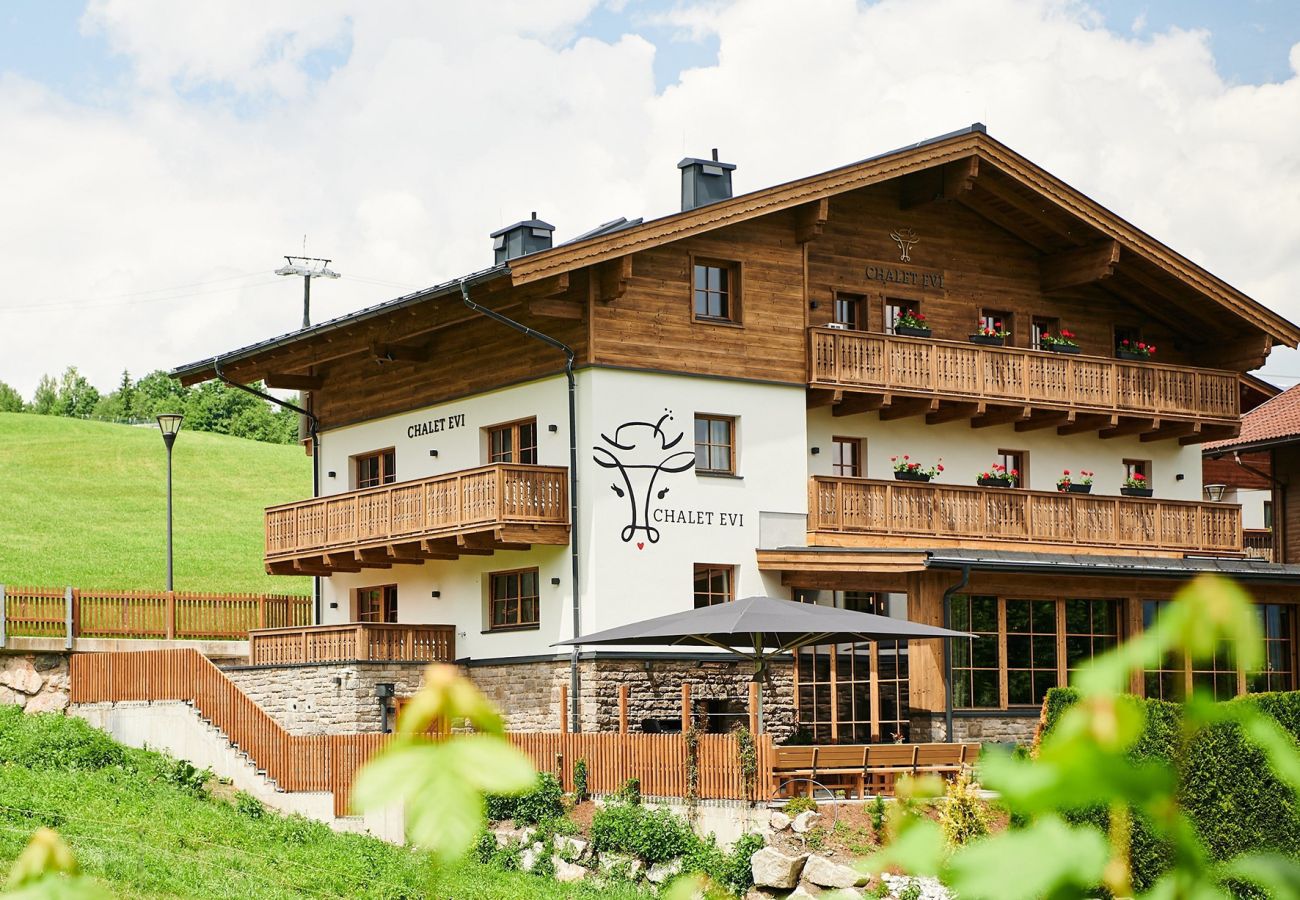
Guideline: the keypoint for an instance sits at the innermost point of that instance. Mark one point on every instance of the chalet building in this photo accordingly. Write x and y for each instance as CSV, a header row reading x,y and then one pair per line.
x,y
745,397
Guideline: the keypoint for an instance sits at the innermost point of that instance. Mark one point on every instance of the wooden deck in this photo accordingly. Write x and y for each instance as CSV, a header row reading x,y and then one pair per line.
x,y
858,371
72,613
474,511
915,514
353,642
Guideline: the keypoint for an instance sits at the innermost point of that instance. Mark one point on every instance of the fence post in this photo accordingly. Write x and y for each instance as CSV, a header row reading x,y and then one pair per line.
x,y
686,706
171,615
753,708
622,688
3,604
261,612
564,708
67,602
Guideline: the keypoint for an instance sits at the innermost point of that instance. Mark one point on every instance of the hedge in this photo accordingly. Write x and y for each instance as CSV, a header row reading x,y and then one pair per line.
x,y
1225,785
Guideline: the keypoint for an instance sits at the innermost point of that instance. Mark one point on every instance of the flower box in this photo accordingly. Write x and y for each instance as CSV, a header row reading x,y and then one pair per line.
x,y
1074,488
994,482
988,340
1063,348
1136,492
1132,356
911,476
911,331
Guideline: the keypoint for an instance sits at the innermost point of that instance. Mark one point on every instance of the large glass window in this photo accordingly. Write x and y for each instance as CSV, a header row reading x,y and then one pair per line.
x,y
1168,682
1277,621
715,444
1031,651
513,599
975,660
1091,629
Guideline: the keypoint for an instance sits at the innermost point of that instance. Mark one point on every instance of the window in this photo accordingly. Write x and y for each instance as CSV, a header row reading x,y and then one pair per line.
x,y
1091,628
716,291
715,446
512,599
1123,333
1031,650
996,320
894,310
514,442
975,661
377,604
1217,675
1168,682
1277,621
1268,514
1040,326
1017,464
374,469
713,584
848,310
1135,467
846,457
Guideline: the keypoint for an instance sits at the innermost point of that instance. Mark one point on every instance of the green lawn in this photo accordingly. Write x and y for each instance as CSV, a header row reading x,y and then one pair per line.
x,y
84,504
135,823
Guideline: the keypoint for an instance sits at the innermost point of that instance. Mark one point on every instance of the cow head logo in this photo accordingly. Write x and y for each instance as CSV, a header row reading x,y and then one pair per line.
x,y
906,239
640,452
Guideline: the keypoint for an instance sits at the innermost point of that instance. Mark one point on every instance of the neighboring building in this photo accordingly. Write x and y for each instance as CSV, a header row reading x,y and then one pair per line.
x,y
744,372
1245,479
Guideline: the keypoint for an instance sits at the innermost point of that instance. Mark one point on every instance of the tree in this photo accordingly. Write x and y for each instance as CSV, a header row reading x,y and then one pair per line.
x,y
76,396
10,399
157,393
46,396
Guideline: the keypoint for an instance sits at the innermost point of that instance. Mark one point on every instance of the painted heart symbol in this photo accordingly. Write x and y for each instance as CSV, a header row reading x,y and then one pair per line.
x,y
640,545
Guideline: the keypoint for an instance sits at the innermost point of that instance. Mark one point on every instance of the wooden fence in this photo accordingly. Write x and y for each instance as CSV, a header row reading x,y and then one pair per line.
x,y
330,762
72,613
370,641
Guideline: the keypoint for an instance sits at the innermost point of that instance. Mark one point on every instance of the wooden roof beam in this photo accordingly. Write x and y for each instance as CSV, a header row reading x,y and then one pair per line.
x,y
1037,209
1001,415
1127,426
1085,422
1168,430
855,403
1073,268
1006,224
295,382
952,412
415,353
903,407
555,308
947,182
1211,433
612,278
1051,418
810,219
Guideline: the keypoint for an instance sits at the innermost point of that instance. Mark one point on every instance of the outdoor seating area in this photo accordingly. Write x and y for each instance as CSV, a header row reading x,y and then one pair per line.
x,y
862,770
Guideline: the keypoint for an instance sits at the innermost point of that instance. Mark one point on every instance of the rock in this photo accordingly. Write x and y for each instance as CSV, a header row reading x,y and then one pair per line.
x,y
806,821
804,891
46,661
530,855
629,866
11,697
574,848
824,873
567,871
664,871
931,888
47,702
779,821
58,682
507,834
772,868
758,893
20,675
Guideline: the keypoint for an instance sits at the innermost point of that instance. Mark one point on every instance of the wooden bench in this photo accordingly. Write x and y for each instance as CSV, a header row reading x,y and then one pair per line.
x,y
885,762
841,765
793,762
942,759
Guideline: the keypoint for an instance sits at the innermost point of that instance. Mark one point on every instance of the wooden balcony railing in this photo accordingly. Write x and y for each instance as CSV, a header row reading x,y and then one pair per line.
x,y
355,641
444,506
1259,543
951,369
915,513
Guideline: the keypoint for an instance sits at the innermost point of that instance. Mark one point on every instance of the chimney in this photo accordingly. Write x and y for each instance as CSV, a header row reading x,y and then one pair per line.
x,y
704,181
521,239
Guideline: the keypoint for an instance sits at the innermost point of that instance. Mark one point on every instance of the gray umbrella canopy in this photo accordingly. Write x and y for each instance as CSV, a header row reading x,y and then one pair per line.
x,y
758,627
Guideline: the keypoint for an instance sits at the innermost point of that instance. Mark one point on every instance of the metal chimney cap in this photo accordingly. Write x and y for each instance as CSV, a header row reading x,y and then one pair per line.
x,y
692,161
534,222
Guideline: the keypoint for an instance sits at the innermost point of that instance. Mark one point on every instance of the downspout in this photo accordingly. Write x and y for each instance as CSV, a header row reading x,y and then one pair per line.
x,y
947,651
313,432
574,724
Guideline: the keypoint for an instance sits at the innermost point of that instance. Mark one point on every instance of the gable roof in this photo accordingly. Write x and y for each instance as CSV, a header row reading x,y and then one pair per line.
x,y
1275,421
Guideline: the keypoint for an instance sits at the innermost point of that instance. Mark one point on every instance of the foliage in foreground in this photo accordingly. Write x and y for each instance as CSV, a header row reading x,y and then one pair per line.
x,y
1088,761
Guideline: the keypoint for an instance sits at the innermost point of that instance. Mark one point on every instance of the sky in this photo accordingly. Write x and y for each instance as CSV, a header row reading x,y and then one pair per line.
x,y
158,159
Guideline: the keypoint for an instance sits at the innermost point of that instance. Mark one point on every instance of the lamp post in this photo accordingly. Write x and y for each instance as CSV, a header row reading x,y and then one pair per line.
x,y
170,426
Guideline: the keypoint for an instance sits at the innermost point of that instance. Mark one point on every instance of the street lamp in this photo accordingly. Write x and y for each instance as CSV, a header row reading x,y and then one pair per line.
x,y
170,426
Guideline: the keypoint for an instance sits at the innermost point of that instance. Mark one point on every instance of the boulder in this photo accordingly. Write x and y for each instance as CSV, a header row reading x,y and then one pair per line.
x,y
43,662
664,871
530,855
772,868
574,848
47,702
822,872
806,821
803,892
58,681
779,821
567,871
20,675
506,833
10,697
618,862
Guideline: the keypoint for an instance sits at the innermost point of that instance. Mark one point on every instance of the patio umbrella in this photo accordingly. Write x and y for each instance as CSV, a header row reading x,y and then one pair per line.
x,y
759,628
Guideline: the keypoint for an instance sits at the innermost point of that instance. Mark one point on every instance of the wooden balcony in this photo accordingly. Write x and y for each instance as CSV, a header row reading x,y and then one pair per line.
x,y
352,642
471,512
1259,543
912,514
858,371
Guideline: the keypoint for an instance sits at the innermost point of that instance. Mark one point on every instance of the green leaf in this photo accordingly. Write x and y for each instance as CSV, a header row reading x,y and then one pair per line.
x,y
491,764
917,849
1275,873
45,854
1040,861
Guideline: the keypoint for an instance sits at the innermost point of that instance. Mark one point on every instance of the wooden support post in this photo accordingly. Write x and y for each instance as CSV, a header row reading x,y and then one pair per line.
x,y
67,601
362,647
622,709
171,615
3,610
564,708
753,707
261,612
686,706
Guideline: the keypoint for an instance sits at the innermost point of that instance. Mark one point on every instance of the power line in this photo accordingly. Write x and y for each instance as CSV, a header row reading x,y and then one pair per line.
x,y
73,305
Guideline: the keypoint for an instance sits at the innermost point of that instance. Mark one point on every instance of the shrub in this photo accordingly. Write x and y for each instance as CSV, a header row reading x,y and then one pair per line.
x,y
249,806
53,741
630,792
965,816
541,803
800,804
736,872
654,835
580,779
878,818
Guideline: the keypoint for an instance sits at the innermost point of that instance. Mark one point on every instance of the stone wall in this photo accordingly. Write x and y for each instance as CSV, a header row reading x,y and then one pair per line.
x,y
38,682
528,694
331,698
976,729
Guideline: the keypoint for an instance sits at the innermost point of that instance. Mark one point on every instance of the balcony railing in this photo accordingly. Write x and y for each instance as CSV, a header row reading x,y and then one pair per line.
x,y
916,513
505,503
355,641
955,370
1259,543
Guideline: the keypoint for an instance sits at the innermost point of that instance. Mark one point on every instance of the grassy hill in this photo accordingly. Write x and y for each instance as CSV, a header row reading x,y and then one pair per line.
x,y
84,504
144,825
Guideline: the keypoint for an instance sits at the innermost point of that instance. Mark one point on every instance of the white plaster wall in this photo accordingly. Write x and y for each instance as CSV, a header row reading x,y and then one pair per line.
x,y
1252,502
968,451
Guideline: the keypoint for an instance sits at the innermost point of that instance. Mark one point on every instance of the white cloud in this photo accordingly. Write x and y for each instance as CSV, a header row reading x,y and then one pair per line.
x,y
448,120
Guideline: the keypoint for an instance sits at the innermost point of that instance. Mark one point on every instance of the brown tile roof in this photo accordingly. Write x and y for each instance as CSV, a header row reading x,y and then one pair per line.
x,y
1275,420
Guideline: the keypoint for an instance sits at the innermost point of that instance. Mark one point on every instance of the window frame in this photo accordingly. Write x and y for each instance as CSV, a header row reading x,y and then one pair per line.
x,y
886,324
859,459
387,603
1006,317
1137,465
1022,466
735,278
387,468
709,570
518,598
858,302
731,446
1119,332
1040,325
516,443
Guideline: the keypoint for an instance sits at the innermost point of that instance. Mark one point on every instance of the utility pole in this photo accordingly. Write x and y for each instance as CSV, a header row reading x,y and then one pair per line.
x,y
308,267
